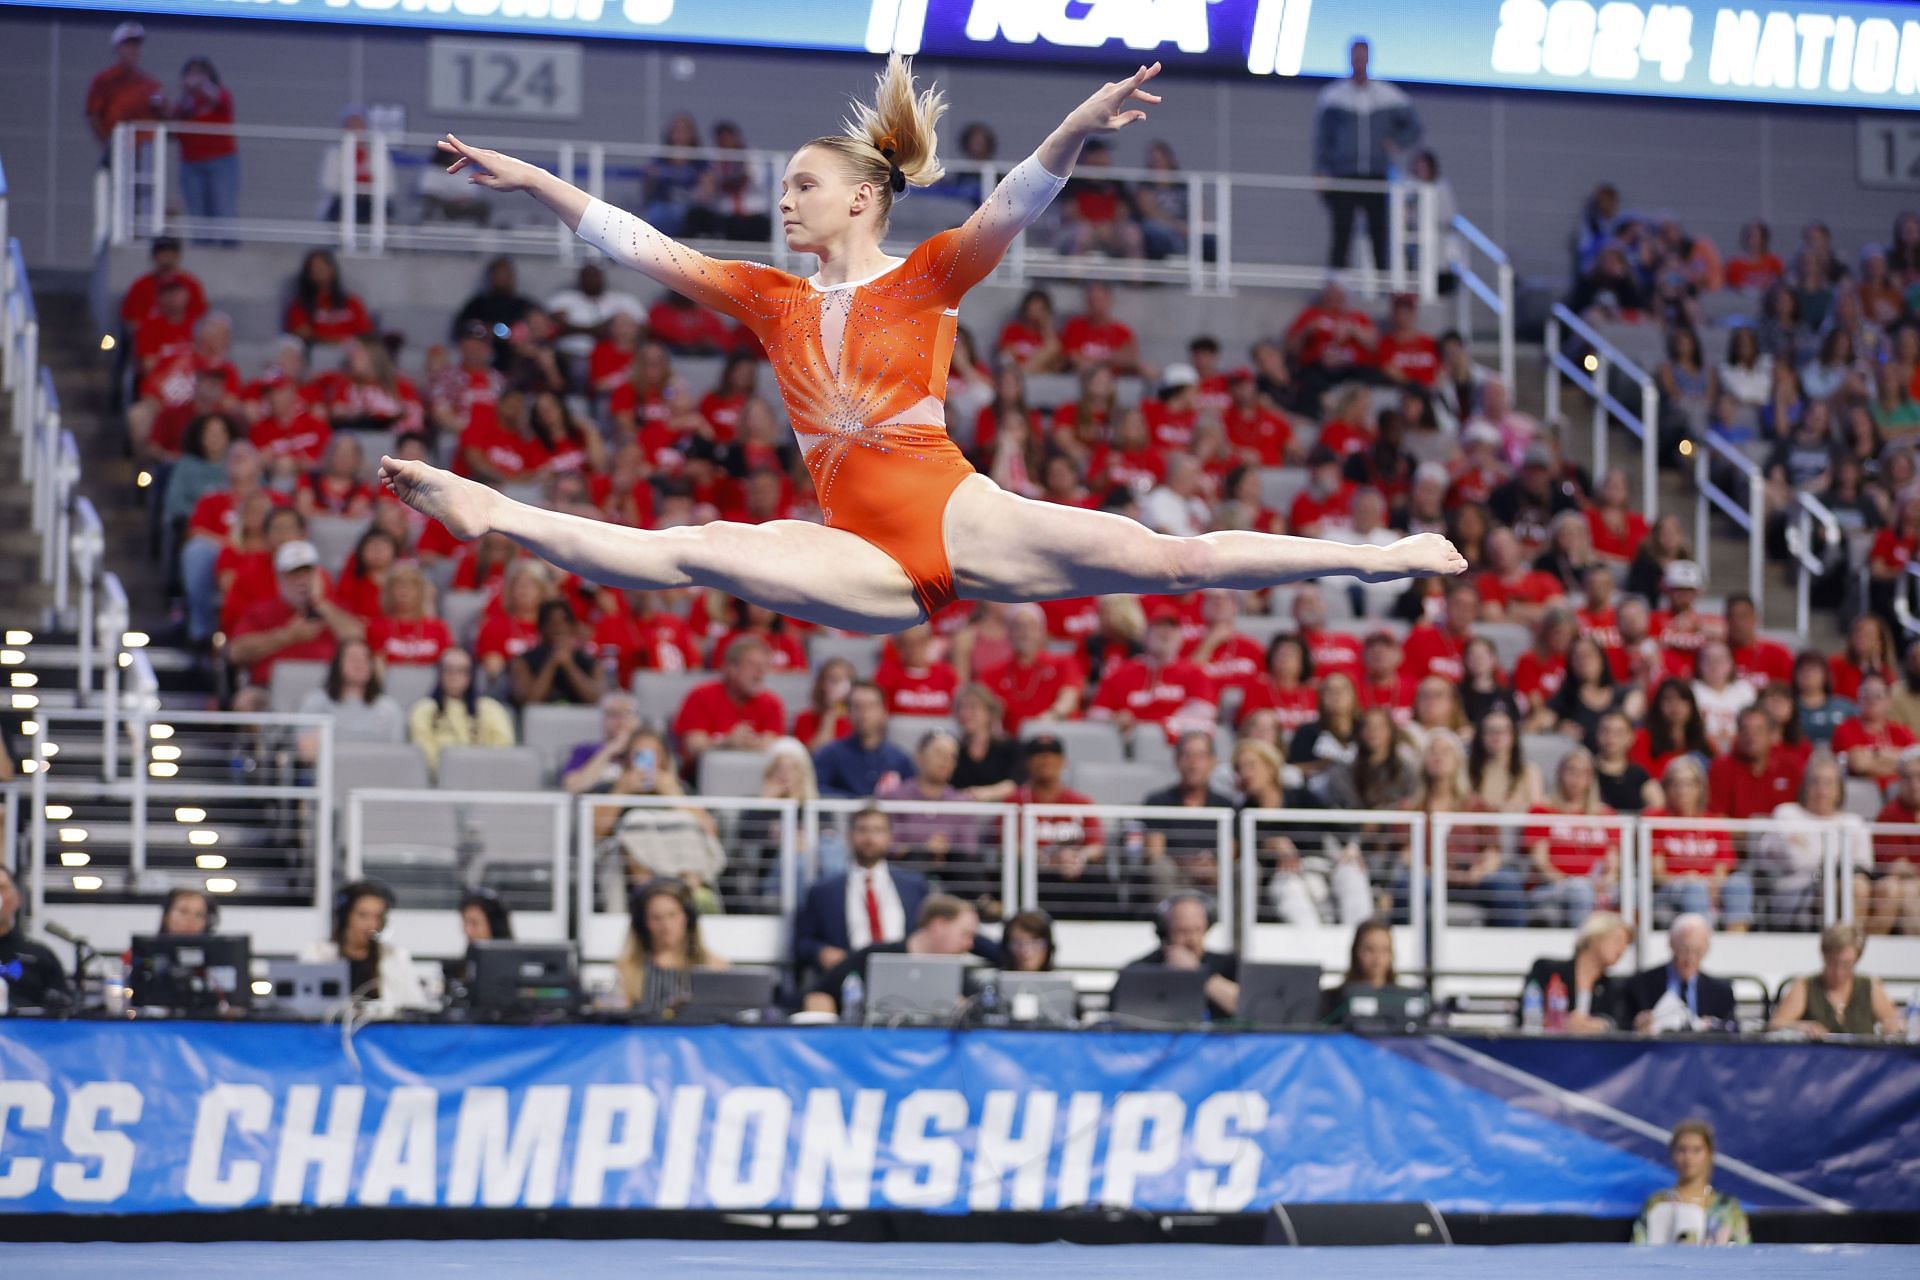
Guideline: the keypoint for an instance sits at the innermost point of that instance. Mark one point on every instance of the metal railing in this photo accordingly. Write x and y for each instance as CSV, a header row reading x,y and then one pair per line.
x,y
1238,229
1303,911
966,848
1593,373
1809,514
1497,296
1748,511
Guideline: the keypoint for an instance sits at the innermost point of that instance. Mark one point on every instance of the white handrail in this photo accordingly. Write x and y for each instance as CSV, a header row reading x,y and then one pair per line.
x,y
1592,378
1749,517
1498,296
1807,512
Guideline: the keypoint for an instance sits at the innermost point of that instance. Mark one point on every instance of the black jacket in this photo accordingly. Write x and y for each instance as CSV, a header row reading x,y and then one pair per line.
x,y
1712,998
32,972
1606,996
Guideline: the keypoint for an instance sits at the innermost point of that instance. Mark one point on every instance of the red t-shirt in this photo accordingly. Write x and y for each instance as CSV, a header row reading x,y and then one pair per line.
x,y
1018,342
1575,846
785,652
1030,689
249,578
723,413
1259,429
303,437
608,365
1074,619
510,455
1171,429
918,691
269,613
1733,789
1754,272
214,105
1763,662
1537,679
1698,851
680,326
142,300
1057,830
1621,545
1137,469
1853,732
336,319
1435,651
161,339
334,497
1847,676
1395,694
503,635
807,723
1344,439
216,512
657,642
1322,513
1133,686
1642,755
1413,358
1332,337
1530,586
399,409
1083,339
710,709
1890,847
1293,707
1333,653
1239,662
416,642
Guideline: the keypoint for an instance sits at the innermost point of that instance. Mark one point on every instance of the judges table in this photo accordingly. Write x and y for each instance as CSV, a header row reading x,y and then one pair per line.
x,y
174,1115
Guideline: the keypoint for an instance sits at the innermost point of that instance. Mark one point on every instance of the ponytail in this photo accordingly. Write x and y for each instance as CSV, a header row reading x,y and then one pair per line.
x,y
892,143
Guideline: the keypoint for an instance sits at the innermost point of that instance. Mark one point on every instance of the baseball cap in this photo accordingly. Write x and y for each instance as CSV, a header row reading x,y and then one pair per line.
x,y
1537,455
1682,575
127,31
1434,471
1240,373
1179,374
1041,744
1481,433
476,329
1164,613
298,554
1322,456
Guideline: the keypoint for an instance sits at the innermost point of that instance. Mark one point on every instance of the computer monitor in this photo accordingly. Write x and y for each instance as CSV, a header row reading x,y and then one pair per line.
x,y
1384,1009
1157,995
523,977
191,972
1039,997
1279,995
902,987
306,988
729,995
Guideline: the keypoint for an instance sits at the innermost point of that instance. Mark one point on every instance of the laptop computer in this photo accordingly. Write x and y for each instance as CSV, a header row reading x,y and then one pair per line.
x,y
306,988
1280,995
191,972
914,988
1385,1009
1156,995
1039,997
729,995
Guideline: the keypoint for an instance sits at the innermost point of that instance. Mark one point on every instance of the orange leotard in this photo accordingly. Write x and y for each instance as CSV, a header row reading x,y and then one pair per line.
x,y
862,366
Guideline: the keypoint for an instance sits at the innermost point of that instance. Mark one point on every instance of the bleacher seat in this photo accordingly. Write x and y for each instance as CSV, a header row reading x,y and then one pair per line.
x,y
292,680
1049,390
726,772
491,769
1086,741
905,732
1510,640
334,537
407,683
862,651
1279,486
1263,627
555,731
1865,798
461,611
1121,783
793,688
514,834
412,844
662,692
1545,751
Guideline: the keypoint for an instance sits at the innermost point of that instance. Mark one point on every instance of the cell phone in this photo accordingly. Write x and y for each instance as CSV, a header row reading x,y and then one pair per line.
x,y
643,759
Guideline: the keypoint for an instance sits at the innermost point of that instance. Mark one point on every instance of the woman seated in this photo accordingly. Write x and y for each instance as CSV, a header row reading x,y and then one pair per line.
x,y
1691,1211
1695,868
1369,967
484,918
1589,694
1575,864
1838,1000
188,911
1028,943
361,710
1603,939
456,714
1625,787
1498,773
663,948
380,973
561,669
1478,878
1795,855
989,768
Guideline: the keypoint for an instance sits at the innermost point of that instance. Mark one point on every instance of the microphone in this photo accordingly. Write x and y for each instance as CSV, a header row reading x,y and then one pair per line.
x,y
66,935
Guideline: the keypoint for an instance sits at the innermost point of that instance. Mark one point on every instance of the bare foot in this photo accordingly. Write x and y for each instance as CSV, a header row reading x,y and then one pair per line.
x,y
1424,555
458,503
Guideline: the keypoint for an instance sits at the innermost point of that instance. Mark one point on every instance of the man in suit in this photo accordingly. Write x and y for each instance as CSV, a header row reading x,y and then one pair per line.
x,y
871,902
1709,1000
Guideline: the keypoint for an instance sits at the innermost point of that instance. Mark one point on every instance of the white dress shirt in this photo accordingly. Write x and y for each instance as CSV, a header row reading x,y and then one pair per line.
x,y
893,916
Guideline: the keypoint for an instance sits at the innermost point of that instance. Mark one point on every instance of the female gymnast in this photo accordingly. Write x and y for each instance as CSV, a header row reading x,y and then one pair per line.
x,y
860,350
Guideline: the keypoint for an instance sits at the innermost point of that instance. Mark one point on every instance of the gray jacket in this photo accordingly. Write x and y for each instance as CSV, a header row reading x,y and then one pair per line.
x,y
1353,123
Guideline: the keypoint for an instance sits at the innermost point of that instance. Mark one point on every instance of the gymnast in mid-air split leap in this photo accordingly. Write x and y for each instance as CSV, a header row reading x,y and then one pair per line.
x,y
861,349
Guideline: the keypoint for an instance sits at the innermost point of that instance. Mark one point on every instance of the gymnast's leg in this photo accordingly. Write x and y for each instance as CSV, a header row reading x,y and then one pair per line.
x,y
1005,547
826,576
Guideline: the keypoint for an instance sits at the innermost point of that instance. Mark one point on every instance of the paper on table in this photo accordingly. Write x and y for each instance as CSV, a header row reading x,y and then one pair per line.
x,y
1672,1222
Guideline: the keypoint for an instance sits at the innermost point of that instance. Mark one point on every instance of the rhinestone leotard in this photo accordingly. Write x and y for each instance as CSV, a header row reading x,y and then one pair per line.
x,y
862,366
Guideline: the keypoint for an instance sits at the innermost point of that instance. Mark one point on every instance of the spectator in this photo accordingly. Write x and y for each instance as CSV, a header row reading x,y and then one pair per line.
x,y
367,172
1896,891
1754,777
1498,773
867,904
685,327
1569,552
354,699
1095,217
1478,878
1381,774
1067,846
207,464
1575,864
166,332
1723,1221
581,315
560,670
1162,206
484,918
824,718
1687,388
1035,683
1609,289
1404,354
1157,688
1720,694
31,971
731,199
1756,268
123,93
1682,630
291,437
1793,857
380,973
1331,738
1673,728
1756,660
324,311
1031,340
944,926
209,162
141,301
1708,1001
1260,434
596,766
1178,853
182,388
363,578
914,682
1589,694
1868,650
1695,868
1871,743
499,306
949,843
669,183
663,947
1603,938
1361,126
989,761
1095,336
863,760
188,911
734,711
1838,1000
1541,671
1178,506
1535,496
456,714
1182,921
297,622
1510,590
404,630
512,626
1028,943
1329,342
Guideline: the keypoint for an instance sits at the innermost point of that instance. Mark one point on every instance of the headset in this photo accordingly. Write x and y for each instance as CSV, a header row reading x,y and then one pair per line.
x,y
1162,912
674,887
350,892
174,895
489,903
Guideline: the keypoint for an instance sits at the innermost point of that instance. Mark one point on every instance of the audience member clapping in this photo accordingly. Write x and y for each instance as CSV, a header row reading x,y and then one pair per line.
x,y
561,669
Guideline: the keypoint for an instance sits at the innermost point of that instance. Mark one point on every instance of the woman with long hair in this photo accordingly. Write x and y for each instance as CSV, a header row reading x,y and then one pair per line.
x,y
1695,868
380,973
1664,543
570,444
1031,339
1484,688
354,698
1478,876
910,525
1499,774
335,487
663,948
1575,864
1868,650
989,767
1674,727
1369,967
1086,423
456,714
371,394
407,632
1330,738
323,311
824,718
1288,690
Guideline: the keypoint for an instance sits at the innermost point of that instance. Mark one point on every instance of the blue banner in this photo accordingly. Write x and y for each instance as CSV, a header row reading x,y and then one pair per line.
x,y
159,1117
1860,53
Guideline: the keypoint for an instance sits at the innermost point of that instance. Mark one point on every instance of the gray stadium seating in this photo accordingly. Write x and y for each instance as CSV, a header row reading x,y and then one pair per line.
x,y
292,680
1545,751
1510,640
725,772
905,732
553,732
461,611
1124,783
407,683
1086,741
334,538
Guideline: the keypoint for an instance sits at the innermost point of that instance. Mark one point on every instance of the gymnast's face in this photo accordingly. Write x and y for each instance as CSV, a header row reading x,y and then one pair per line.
x,y
820,202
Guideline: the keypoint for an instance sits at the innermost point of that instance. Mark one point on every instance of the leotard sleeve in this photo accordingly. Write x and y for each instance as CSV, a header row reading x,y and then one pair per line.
x,y
962,257
748,291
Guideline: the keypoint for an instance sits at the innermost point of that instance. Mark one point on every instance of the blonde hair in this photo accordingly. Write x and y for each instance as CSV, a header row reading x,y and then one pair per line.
x,y
895,131
1599,925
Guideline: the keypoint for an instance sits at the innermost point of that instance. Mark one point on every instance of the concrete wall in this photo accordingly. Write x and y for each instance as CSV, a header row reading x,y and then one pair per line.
x,y
1520,162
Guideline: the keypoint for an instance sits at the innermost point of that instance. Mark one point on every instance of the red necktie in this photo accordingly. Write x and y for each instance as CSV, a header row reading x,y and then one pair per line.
x,y
874,928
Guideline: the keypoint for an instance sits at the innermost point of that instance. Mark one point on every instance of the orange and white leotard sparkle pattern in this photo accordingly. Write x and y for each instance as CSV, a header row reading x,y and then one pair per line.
x,y
862,366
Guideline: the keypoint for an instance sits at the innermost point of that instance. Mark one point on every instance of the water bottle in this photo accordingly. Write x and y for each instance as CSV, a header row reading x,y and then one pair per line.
x,y
1530,1007
1913,1017
853,995
1556,1004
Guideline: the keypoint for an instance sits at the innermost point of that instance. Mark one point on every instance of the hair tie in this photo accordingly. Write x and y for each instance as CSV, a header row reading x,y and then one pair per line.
x,y
895,177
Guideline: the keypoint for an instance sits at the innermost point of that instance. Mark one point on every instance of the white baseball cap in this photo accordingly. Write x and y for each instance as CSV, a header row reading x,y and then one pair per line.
x,y
298,554
127,31
1179,374
1682,575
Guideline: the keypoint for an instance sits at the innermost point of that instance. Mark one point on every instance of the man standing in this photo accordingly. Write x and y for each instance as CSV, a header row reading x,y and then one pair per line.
x,y
1707,1000
1360,127
123,91
866,905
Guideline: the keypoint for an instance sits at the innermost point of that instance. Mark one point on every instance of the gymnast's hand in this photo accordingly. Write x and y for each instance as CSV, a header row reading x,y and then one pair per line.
x,y
490,169
1107,109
